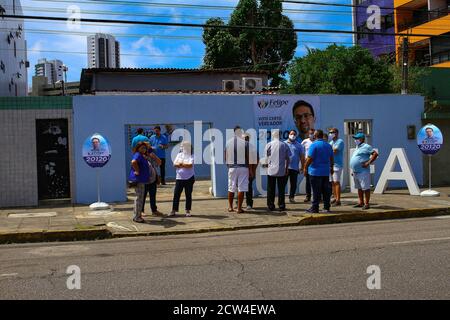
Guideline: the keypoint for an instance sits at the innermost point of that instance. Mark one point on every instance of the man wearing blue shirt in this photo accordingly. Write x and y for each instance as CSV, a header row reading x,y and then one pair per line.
x,y
319,165
140,137
159,144
338,151
296,161
360,162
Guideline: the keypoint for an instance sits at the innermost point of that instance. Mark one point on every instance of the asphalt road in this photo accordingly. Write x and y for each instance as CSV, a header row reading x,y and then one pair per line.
x,y
313,262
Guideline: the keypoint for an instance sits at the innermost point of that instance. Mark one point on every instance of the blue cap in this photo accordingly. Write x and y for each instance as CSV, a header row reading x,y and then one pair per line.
x,y
359,135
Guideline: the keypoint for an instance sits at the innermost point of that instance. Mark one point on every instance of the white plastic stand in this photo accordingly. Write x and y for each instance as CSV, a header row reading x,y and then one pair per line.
x,y
99,205
429,192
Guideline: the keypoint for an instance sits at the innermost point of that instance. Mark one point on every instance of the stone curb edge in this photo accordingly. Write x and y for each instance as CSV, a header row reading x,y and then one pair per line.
x,y
106,233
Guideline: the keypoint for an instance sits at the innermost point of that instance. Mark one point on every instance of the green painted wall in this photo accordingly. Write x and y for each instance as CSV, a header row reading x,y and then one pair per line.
x,y
33,103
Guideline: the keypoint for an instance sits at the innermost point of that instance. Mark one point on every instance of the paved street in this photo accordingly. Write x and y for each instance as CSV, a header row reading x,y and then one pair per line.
x,y
312,262
57,222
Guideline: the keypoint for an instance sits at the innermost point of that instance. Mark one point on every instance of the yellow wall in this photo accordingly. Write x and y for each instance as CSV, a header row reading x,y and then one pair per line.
x,y
435,28
399,3
442,65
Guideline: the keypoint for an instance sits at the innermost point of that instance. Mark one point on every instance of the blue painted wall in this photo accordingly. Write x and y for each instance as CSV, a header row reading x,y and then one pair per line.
x,y
108,115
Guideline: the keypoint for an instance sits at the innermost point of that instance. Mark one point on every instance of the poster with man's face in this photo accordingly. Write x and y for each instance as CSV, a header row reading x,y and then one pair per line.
x,y
299,113
430,139
96,151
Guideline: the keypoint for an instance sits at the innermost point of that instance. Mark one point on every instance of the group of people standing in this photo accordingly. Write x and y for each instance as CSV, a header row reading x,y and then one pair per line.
x,y
148,171
319,157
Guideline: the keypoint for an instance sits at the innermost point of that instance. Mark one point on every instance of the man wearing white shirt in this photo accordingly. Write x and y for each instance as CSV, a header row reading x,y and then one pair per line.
x,y
306,144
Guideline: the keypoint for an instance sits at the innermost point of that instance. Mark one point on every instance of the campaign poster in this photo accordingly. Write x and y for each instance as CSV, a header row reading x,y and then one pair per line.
x,y
286,113
96,151
430,139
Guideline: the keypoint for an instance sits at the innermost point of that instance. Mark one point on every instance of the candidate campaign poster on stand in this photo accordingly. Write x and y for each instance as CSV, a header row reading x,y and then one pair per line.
x,y
96,151
430,139
286,113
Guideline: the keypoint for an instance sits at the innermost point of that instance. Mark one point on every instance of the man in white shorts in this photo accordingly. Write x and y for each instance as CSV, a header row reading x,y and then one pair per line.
x,y
338,154
360,162
238,158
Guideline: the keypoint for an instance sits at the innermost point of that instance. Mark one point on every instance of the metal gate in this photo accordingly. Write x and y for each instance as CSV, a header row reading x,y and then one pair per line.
x,y
52,146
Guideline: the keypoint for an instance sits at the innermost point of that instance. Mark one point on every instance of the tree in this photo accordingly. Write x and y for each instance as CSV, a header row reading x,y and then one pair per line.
x,y
251,48
339,70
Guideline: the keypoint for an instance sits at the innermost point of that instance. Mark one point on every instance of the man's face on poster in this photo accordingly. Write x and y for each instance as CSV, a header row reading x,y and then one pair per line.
x,y
95,144
304,119
429,132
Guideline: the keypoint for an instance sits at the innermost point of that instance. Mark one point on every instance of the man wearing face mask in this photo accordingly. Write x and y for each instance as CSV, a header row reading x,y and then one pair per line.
x,y
306,144
296,162
362,158
338,151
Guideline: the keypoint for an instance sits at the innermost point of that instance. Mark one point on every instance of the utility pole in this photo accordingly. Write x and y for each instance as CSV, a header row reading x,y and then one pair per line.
x,y
405,55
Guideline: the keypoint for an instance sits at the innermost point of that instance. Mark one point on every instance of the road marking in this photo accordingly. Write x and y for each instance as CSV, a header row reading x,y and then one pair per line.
x,y
120,227
32,215
59,251
421,240
9,274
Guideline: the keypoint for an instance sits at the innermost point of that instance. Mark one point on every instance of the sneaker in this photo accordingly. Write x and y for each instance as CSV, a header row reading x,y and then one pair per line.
x,y
172,214
359,205
157,213
282,209
307,199
188,213
333,201
311,210
249,208
366,207
271,208
139,220
325,211
291,200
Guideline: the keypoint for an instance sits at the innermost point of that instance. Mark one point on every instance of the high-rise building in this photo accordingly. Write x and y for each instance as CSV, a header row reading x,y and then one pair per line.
x,y
53,70
430,17
363,21
13,51
103,51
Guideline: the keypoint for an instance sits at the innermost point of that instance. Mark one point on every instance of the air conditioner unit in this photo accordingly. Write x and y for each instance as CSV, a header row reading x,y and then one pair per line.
x,y
252,84
231,85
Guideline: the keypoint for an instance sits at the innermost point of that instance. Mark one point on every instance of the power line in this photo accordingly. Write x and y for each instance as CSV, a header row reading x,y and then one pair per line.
x,y
193,17
358,6
193,25
182,5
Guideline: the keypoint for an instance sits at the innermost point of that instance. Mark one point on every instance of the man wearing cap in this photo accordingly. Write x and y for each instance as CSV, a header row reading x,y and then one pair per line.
x,y
160,144
360,162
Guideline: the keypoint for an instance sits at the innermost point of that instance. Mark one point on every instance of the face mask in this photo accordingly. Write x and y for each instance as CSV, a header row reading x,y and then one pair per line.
x,y
357,142
331,136
292,137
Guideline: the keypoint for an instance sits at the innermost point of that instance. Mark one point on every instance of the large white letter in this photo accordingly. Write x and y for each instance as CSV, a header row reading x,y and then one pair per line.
x,y
374,20
406,173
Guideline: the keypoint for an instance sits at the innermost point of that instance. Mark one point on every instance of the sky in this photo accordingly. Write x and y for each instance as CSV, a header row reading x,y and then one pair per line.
x,y
156,46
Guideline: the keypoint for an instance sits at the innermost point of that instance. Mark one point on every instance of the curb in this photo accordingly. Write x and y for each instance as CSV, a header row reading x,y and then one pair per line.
x,y
320,219
55,235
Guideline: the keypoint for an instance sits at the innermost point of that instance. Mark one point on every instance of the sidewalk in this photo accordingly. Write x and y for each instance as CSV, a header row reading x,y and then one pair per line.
x,y
68,223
